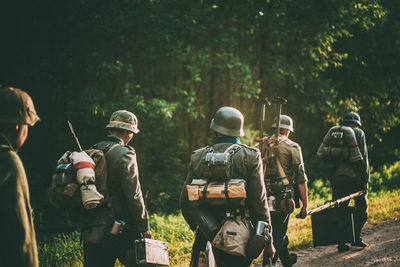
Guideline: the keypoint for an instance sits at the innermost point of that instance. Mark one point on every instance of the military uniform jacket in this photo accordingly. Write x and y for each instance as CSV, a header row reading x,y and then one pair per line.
x,y
124,186
291,159
17,233
247,165
348,169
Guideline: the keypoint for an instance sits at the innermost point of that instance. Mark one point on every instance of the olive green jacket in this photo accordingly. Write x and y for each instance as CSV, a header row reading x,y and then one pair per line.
x,y
247,165
124,186
17,233
291,159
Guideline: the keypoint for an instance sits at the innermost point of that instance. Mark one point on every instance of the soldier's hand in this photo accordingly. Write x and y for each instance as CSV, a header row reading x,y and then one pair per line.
x,y
303,213
269,250
147,234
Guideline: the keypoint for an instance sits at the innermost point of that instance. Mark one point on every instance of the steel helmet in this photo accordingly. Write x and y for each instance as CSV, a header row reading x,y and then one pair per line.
x,y
16,106
228,121
352,117
125,120
285,123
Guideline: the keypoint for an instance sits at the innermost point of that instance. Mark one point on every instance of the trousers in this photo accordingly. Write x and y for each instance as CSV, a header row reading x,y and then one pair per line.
x,y
279,221
343,186
224,259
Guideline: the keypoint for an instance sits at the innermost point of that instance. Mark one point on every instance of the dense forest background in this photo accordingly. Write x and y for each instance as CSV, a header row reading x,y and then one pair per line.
x,y
174,63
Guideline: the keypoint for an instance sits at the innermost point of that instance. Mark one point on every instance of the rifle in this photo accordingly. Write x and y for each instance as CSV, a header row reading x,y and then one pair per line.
x,y
336,202
65,228
279,101
73,133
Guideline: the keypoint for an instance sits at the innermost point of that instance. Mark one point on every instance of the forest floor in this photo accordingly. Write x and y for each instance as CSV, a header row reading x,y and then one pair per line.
x,y
383,249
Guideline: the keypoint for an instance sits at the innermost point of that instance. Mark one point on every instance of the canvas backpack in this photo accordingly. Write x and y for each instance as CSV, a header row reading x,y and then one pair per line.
x,y
340,143
216,185
66,192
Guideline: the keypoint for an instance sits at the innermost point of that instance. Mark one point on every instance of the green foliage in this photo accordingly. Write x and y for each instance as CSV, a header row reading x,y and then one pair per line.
x,y
387,178
174,63
61,250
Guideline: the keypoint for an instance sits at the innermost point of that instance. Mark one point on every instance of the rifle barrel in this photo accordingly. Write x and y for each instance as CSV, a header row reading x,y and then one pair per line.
x,y
73,133
336,202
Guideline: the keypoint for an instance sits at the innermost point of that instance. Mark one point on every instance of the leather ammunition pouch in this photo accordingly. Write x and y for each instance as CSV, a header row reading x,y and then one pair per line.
x,y
284,195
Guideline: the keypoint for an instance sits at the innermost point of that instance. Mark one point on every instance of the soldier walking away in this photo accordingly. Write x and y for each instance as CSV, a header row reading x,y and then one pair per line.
x,y
345,155
286,181
18,238
239,163
125,213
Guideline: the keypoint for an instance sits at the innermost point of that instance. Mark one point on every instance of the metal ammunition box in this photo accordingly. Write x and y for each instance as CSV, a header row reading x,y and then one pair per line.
x,y
151,252
333,225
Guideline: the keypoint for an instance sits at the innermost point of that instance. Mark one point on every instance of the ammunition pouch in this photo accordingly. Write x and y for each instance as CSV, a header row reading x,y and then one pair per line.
x,y
284,195
219,165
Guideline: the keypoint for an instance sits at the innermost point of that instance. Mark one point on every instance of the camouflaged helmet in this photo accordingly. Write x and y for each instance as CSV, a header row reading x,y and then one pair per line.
x,y
125,120
352,117
285,123
228,121
16,106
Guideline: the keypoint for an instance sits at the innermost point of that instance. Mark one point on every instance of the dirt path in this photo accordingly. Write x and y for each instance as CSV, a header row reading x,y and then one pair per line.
x,y
383,250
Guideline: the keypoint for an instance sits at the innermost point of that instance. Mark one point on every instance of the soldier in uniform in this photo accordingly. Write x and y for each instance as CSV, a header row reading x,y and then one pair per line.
x,y
351,177
228,127
18,239
127,203
284,171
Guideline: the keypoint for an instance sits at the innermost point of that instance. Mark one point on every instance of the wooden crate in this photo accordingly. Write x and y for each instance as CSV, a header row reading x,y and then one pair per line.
x,y
151,252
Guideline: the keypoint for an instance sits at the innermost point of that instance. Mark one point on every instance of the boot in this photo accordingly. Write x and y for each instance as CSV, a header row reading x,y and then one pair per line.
x,y
290,261
343,248
359,243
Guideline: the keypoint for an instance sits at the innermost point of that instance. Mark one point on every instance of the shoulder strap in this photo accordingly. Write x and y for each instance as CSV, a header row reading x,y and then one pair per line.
x,y
282,173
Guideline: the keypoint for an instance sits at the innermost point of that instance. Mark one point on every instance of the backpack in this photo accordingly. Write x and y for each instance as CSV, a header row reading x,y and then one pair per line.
x,y
66,192
340,143
216,186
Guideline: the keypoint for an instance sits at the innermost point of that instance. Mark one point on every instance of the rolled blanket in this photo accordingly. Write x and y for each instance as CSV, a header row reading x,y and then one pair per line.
x,y
85,176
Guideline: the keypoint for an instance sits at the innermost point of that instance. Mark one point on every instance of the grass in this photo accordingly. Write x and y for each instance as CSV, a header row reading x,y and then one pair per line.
x,y
65,249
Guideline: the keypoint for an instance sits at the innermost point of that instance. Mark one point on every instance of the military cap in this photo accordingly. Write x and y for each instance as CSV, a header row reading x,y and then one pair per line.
x,y
16,106
125,120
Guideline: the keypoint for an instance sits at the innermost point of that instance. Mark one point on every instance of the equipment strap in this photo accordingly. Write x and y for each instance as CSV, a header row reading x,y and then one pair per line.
x,y
282,173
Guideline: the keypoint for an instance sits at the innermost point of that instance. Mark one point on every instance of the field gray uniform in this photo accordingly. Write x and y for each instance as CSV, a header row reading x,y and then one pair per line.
x,y
247,165
291,159
127,205
349,178
17,233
